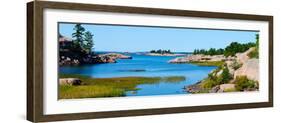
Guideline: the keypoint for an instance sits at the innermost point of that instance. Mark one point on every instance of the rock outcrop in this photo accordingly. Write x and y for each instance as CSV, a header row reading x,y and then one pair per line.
x,y
70,81
179,60
240,65
229,65
226,87
250,68
68,61
91,59
196,88
71,55
200,58
117,56
243,57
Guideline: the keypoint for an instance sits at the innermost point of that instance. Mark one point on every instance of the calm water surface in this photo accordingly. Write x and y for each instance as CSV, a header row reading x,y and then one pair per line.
x,y
147,66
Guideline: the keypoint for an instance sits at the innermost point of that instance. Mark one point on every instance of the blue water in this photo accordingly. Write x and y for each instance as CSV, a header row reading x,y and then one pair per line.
x,y
148,66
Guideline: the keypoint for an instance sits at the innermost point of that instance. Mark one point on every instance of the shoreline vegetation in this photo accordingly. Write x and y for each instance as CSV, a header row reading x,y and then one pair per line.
x,y
89,87
238,68
209,63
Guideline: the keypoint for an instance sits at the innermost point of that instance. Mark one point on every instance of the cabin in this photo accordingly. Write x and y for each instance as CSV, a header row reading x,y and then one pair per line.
x,y
65,43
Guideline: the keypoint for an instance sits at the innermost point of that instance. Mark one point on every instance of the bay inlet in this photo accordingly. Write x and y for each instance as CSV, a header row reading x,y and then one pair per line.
x,y
145,66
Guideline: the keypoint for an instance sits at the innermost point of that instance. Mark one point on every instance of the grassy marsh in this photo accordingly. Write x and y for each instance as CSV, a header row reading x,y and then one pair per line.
x,y
108,87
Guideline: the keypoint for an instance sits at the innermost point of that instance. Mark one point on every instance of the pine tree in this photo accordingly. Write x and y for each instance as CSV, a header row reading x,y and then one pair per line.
x,y
257,41
225,76
88,41
78,36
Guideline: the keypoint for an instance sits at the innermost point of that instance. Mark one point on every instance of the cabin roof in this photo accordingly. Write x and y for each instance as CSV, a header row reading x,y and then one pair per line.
x,y
64,39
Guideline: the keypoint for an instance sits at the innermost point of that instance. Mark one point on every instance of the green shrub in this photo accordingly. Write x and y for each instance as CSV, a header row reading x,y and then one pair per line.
x,y
212,80
230,90
225,77
243,83
254,53
209,83
235,65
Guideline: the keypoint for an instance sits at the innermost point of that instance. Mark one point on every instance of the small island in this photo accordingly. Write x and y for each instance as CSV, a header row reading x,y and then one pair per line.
x,y
163,53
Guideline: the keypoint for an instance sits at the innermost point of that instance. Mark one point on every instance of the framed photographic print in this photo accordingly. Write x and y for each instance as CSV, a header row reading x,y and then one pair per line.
x,y
96,61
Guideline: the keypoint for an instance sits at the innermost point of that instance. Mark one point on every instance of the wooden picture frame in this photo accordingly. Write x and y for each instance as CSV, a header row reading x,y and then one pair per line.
x,y
35,59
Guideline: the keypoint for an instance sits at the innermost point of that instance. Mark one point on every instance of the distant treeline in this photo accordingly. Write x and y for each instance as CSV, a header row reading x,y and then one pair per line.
x,y
230,50
161,51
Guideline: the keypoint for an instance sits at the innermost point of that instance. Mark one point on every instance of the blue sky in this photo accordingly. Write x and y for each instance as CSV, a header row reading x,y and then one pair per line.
x,y
136,39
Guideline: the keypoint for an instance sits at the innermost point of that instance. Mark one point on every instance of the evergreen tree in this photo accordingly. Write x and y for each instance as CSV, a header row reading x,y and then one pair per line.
x,y
88,42
168,51
255,53
78,36
257,41
159,51
225,76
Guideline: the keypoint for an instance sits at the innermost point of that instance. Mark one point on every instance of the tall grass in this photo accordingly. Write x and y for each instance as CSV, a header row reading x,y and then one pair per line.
x,y
208,63
72,92
108,87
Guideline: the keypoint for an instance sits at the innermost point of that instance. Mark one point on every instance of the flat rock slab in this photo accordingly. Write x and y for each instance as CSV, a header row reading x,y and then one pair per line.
x,y
225,87
70,81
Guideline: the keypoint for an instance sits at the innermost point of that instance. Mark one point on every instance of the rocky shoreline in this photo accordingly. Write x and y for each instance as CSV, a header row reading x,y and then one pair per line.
x,y
92,59
116,56
201,58
238,66
196,88
69,55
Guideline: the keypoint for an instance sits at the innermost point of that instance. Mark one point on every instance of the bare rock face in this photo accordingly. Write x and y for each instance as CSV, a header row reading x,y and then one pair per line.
x,y
117,56
106,59
243,57
214,58
189,59
250,68
231,70
195,88
226,87
240,65
199,58
179,60
219,73
215,89
68,61
70,81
